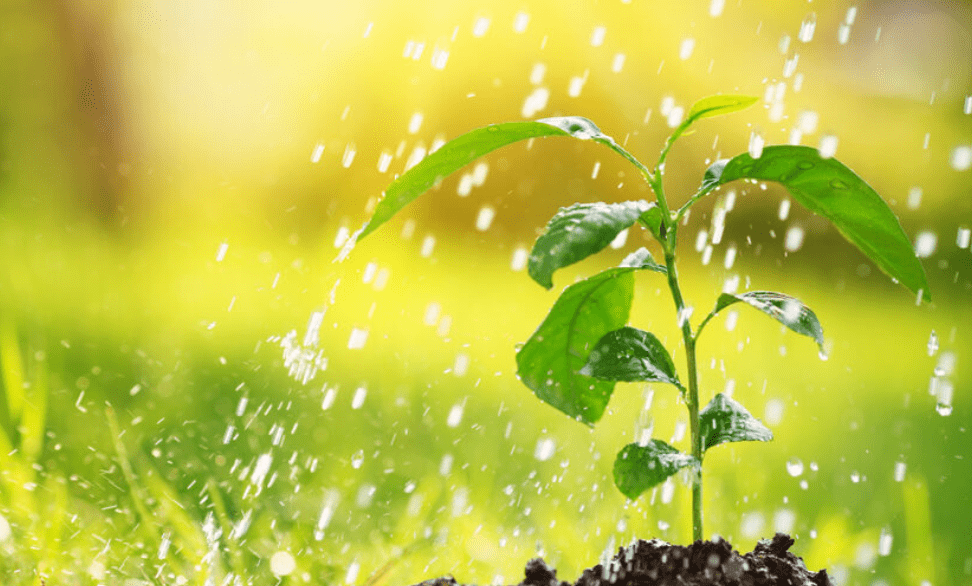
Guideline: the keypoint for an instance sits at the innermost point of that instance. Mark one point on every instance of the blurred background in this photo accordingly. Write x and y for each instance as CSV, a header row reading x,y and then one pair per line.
x,y
193,390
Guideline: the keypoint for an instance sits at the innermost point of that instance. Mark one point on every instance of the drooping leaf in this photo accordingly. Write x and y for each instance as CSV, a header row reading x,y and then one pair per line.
x,y
550,361
725,420
719,105
653,220
787,310
638,468
630,355
578,231
828,188
641,259
462,150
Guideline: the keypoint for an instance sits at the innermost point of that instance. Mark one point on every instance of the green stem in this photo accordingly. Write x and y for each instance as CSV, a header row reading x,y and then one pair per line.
x,y
692,398
670,224
614,146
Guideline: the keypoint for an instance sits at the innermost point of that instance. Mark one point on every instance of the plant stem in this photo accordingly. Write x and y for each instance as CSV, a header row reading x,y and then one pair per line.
x,y
692,398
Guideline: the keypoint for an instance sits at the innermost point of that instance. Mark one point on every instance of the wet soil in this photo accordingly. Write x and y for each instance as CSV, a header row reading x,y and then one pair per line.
x,y
704,563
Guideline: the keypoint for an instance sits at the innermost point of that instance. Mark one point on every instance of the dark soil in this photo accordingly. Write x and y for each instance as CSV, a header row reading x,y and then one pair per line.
x,y
704,563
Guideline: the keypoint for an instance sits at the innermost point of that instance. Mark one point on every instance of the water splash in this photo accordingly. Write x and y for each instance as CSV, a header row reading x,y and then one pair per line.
x,y
303,360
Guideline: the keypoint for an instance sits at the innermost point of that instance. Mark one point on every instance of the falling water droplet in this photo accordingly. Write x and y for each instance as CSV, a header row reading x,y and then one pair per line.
x,y
914,197
520,22
359,397
807,27
925,244
618,63
358,338
357,459
428,245
282,564
440,57
221,252
455,415
932,343
756,143
794,238
843,33
575,86
545,449
828,146
520,257
485,218
794,467
851,15
716,8
900,468
686,49
329,397
480,27
597,37
730,257
415,123
537,73
963,238
885,541
349,151
675,116
943,403
164,546
535,102
961,159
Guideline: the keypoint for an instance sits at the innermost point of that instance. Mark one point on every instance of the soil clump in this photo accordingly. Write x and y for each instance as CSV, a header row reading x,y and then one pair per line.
x,y
704,563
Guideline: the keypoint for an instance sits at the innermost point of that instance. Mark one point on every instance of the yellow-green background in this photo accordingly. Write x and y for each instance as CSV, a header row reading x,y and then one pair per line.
x,y
137,138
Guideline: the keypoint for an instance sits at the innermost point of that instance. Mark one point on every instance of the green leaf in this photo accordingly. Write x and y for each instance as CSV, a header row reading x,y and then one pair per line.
x,y
787,310
719,105
828,188
638,468
653,220
725,420
631,355
550,361
641,259
578,231
462,150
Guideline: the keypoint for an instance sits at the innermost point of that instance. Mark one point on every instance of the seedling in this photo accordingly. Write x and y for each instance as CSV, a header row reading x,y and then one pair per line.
x,y
584,346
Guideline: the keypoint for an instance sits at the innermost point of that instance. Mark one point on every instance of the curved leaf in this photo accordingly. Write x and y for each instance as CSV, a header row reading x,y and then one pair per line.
x,y
719,105
462,150
725,420
631,355
638,468
787,310
641,259
550,361
578,231
828,188
653,220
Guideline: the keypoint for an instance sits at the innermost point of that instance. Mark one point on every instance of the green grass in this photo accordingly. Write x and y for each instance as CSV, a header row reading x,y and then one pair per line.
x,y
95,490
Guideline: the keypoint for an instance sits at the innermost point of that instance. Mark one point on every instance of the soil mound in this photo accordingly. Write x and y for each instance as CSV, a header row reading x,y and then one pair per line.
x,y
704,563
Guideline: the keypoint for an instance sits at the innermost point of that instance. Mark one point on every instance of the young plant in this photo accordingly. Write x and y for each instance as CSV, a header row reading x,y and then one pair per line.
x,y
584,346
